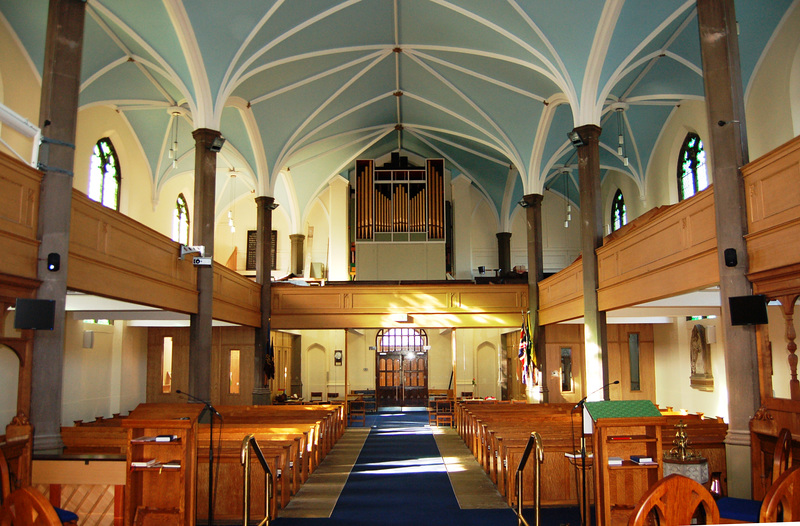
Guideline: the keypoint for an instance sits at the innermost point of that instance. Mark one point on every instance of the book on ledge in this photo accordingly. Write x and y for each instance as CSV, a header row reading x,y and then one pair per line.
x,y
614,461
137,440
166,438
144,463
642,459
172,464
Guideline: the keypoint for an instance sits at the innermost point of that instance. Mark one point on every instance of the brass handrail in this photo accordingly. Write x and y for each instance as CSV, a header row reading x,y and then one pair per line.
x,y
535,444
246,445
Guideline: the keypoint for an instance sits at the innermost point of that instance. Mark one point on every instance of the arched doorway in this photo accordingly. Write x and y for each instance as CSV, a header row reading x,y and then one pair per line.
x,y
401,368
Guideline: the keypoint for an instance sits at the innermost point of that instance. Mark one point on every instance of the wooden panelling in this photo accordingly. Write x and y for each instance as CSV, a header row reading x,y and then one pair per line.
x,y
561,295
671,253
772,191
19,215
114,256
237,299
370,306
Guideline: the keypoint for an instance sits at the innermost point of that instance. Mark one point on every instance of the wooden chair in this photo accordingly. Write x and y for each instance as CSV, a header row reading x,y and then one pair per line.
x,y
316,396
27,507
64,517
782,457
675,499
746,510
782,501
357,412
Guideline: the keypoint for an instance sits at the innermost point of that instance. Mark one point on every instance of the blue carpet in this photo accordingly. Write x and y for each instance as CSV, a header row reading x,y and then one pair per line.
x,y
400,479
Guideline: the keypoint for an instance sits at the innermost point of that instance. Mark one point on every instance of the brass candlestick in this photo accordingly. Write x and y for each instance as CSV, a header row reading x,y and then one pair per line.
x,y
681,451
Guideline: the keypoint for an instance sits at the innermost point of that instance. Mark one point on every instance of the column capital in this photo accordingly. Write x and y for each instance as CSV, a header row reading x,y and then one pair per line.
x,y
264,200
532,200
205,136
588,132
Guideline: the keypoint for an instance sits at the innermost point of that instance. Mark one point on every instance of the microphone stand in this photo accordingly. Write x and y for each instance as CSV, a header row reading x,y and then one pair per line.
x,y
584,507
212,412
582,406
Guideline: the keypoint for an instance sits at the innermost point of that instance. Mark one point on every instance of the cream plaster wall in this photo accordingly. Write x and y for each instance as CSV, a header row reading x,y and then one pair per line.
x,y
244,217
108,378
778,340
770,94
318,218
20,90
332,376
662,172
634,204
483,235
560,245
97,122
673,368
9,379
281,223
133,366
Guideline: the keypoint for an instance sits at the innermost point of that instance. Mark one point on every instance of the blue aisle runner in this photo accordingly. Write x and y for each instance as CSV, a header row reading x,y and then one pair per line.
x,y
400,479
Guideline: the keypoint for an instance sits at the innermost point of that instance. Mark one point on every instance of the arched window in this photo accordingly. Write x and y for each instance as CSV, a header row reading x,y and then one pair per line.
x,y
402,340
104,174
692,176
180,221
618,214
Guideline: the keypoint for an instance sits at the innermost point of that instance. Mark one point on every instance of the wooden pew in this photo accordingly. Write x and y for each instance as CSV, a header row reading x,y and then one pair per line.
x,y
497,434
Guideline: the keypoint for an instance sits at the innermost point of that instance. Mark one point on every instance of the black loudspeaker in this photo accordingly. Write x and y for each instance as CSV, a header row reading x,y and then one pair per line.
x,y
34,314
748,310
730,257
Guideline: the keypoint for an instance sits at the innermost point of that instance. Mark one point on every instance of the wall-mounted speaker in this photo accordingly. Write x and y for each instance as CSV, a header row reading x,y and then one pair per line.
x,y
34,314
748,310
731,260
88,339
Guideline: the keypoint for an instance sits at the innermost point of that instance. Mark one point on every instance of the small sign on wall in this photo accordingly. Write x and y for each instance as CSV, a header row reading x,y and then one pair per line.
x,y
337,357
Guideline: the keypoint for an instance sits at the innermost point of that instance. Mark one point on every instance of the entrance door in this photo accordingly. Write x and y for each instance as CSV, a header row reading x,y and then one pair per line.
x,y
402,379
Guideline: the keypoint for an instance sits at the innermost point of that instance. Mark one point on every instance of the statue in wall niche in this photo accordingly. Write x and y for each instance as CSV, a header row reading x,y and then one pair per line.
x,y
700,359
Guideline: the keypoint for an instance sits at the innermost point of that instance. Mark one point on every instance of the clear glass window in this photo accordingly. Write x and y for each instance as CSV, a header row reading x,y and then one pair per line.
x,y
633,353
166,366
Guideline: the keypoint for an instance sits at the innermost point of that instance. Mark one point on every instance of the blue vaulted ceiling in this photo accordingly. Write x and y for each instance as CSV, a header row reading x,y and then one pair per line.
x,y
312,85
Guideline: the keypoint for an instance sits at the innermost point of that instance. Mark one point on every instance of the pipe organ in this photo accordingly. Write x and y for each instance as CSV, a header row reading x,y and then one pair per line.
x,y
400,203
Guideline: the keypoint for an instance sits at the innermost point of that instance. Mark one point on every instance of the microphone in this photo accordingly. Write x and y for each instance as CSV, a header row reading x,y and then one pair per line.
x,y
207,404
583,400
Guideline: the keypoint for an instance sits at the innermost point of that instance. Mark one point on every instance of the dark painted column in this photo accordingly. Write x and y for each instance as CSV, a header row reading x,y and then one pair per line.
x,y
205,171
728,152
297,254
58,117
595,339
533,216
264,207
503,251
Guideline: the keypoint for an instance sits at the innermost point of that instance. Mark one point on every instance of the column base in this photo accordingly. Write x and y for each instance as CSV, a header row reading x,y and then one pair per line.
x,y
262,396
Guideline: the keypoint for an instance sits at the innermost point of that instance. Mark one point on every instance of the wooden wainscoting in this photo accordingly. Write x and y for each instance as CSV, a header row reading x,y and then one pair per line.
x,y
19,217
223,341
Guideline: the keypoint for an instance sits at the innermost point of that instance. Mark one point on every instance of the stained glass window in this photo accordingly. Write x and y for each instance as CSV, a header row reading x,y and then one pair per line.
x,y
180,221
692,176
618,214
104,174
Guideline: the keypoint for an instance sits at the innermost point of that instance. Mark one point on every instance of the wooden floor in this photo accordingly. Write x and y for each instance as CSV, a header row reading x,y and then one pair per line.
x,y
318,496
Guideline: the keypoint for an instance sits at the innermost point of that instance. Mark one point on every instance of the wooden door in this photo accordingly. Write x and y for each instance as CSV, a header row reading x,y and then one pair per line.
x,y
401,379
